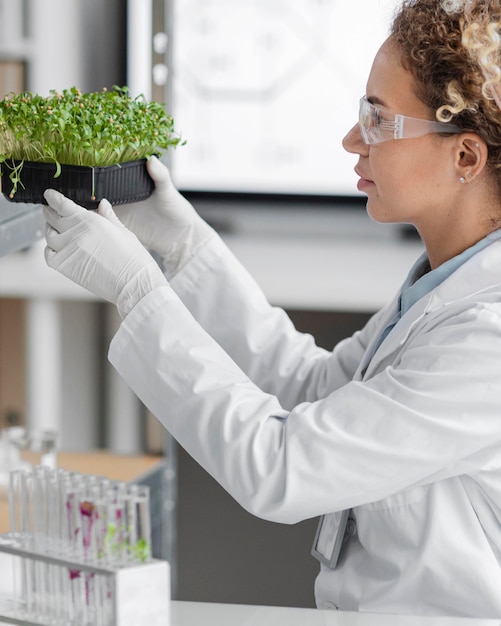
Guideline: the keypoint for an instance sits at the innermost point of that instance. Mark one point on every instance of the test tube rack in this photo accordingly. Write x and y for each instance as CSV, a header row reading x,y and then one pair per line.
x,y
80,549
134,595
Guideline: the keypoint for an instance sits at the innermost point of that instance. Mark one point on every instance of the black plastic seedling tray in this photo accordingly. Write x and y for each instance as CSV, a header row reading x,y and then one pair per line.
x,y
119,184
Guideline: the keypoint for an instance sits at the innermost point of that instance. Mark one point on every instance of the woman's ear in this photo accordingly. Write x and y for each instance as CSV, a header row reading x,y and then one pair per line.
x,y
471,156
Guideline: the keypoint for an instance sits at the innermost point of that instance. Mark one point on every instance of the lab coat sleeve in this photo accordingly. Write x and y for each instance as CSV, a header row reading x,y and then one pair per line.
x,y
225,299
423,418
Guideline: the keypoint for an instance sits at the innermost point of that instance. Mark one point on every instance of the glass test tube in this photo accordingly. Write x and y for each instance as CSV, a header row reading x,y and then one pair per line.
x,y
56,582
141,502
18,503
41,543
71,495
19,528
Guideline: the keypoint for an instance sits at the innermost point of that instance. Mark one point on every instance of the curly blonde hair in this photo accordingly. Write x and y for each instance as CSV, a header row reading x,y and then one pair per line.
x,y
453,50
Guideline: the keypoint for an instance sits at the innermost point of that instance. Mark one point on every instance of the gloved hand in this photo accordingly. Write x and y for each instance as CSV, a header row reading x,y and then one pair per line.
x,y
166,223
97,251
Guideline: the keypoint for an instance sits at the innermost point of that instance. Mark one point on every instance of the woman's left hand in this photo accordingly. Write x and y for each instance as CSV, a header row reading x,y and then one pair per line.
x,y
96,251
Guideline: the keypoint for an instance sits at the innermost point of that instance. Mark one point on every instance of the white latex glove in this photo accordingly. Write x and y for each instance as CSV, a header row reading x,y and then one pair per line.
x,y
96,251
166,222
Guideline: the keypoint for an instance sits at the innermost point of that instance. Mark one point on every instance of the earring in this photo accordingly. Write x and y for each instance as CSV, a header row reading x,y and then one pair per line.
x,y
462,180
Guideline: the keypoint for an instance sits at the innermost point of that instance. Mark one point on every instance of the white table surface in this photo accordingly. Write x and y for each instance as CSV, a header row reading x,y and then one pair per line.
x,y
208,614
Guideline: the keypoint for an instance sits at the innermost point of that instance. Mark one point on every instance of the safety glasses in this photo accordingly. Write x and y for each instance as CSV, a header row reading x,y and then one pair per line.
x,y
378,124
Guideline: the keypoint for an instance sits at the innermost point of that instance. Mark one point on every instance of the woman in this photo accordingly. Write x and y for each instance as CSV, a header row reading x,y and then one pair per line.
x,y
401,424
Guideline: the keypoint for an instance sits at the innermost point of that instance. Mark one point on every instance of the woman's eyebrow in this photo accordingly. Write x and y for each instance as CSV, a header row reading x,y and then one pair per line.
x,y
376,100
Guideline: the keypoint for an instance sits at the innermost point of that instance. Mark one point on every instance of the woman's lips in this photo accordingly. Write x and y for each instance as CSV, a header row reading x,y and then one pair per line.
x,y
364,183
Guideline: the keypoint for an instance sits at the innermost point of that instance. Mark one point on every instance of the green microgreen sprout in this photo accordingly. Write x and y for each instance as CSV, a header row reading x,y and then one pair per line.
x,y
94,129
142,550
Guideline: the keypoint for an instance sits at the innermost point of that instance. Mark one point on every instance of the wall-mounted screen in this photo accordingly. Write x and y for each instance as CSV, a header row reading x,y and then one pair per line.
x,y
265,90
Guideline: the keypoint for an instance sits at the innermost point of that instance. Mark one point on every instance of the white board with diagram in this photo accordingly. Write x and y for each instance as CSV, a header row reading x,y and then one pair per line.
x,y
265,90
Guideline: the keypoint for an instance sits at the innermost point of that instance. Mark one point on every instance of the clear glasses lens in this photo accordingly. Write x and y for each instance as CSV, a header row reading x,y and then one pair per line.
x,y
374,127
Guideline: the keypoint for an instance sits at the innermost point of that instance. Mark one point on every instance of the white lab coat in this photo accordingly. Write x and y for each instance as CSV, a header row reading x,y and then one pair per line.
x,y
411,441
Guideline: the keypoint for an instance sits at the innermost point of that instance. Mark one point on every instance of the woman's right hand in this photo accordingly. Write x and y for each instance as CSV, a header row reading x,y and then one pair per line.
x,y
166,222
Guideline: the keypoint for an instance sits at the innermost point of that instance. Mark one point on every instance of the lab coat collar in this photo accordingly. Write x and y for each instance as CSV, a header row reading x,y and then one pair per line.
x,y
421,280
480,273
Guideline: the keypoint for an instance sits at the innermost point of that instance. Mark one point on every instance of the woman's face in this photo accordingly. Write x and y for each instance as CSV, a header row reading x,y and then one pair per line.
x,y
406,180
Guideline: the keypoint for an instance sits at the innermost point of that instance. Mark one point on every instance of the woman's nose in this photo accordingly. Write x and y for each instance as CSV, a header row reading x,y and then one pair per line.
x,y
353,142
